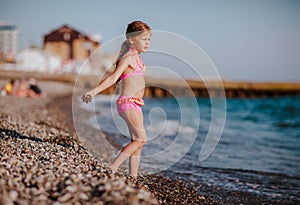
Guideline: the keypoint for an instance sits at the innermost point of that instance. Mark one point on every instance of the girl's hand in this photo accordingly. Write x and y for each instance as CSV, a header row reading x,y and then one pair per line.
x,y
88,97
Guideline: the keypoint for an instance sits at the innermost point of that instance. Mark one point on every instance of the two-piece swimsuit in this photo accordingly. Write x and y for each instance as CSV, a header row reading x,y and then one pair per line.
x,y
124,102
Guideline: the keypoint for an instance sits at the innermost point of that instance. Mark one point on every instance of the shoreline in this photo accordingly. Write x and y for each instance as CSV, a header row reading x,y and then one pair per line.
x,y
215,194
41,158
220,194
76,174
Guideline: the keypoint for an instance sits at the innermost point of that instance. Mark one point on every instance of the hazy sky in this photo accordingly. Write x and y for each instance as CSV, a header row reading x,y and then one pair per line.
x,y
256,40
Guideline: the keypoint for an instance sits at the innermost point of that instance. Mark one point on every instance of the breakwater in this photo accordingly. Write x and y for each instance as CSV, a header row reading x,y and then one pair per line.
x,y
161,88
168,88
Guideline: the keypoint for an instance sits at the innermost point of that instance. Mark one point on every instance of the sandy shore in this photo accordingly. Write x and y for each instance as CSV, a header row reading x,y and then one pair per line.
x,y
44,162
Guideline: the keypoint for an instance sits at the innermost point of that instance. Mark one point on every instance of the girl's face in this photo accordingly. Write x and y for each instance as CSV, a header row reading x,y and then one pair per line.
x,y
141,42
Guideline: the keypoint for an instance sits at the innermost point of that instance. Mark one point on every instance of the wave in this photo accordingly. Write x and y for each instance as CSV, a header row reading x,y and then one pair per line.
x,y
264,183
286,124
255,131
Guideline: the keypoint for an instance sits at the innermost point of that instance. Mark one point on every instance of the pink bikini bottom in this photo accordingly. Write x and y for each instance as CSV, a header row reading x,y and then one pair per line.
x,y
127,103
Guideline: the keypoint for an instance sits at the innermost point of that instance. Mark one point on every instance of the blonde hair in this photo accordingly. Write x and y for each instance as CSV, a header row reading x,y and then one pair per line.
x,y
133,29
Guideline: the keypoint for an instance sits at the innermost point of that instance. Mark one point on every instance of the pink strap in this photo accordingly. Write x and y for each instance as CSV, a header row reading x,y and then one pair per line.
x,y
135,72
136,59
131,74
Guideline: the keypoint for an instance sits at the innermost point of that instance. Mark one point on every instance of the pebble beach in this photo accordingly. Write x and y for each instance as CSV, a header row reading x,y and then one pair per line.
x,y
44,162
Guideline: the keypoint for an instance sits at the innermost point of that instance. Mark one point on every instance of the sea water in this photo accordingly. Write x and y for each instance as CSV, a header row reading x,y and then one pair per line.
x,y
258,150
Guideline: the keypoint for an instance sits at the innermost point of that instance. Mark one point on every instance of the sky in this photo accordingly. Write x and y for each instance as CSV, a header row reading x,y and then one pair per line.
x,y
257,40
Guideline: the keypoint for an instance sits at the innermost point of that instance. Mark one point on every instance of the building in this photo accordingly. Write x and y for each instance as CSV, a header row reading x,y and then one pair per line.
x,y
8,42
69,44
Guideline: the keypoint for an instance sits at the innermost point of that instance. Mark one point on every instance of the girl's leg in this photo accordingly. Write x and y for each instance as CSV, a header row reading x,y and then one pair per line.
x,y
134,120
134,162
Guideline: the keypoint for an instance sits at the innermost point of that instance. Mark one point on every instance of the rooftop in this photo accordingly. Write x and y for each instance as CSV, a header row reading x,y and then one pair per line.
x,y
4,26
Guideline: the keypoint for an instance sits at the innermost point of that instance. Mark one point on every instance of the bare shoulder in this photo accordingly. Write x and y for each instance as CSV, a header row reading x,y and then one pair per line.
x,y
127,60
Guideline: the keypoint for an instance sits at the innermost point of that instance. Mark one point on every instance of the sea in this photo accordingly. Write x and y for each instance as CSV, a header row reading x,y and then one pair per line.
x,y
250,145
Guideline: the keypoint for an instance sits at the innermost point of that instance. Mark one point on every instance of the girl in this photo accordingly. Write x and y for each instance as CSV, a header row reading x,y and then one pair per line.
x,y
129,71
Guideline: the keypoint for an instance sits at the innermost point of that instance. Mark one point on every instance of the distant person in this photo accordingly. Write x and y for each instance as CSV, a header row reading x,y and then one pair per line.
x,y
129,71
34,91
22,90
8,88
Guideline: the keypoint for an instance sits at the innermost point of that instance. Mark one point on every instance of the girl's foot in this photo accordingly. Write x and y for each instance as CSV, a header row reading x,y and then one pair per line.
x,y
134,178
113,170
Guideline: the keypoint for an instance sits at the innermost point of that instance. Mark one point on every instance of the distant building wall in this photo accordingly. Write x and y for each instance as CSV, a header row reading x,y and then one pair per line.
x,y
60,49
8,42
82,49
69,44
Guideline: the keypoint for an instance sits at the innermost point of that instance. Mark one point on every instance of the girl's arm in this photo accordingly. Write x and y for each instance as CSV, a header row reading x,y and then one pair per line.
x,y
107,82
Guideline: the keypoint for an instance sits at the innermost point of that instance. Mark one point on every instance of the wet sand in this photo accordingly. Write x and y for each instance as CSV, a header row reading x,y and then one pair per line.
x,y
44,162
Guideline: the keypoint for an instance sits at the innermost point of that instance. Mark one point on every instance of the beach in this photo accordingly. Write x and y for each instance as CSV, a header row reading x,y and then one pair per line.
x,y
40,158
44,162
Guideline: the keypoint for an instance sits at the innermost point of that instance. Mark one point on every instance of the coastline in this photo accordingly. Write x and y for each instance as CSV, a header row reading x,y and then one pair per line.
x,y
41,159
55,166
164,87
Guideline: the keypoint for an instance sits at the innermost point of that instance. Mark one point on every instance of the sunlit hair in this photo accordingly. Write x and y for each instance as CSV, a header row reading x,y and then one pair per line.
x,y
133,29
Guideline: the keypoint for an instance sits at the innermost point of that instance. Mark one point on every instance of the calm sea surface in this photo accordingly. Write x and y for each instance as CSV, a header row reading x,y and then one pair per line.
x,y
259,149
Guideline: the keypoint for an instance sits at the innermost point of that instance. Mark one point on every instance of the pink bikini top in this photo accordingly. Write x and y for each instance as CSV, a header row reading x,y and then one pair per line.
x,y
139,69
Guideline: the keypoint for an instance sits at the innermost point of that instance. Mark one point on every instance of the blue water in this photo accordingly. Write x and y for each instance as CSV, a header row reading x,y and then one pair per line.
x,y
259,149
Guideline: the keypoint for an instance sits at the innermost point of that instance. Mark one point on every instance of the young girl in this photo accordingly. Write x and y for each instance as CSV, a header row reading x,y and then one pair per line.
x,y
129,71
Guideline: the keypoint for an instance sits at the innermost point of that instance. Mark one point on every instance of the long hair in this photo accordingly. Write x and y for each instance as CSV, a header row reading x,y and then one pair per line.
x,y
133,29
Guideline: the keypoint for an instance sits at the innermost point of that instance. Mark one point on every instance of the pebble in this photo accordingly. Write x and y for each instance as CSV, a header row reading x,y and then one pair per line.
x,y
49,172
